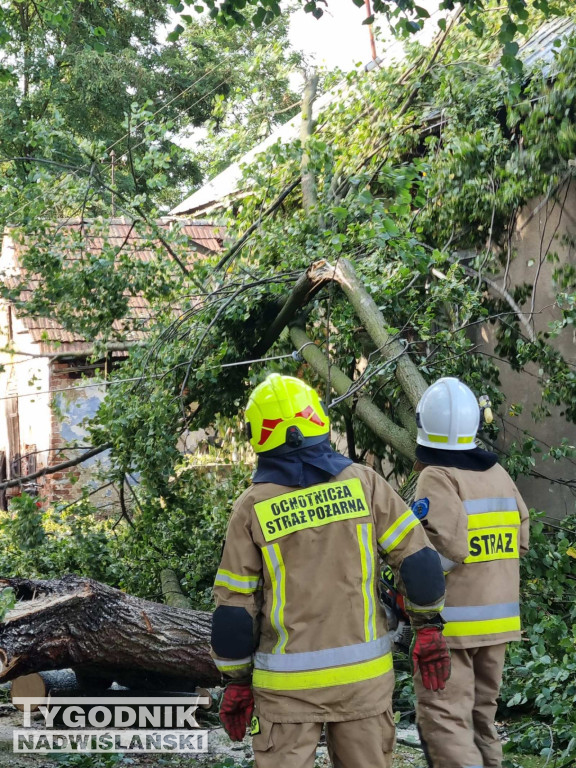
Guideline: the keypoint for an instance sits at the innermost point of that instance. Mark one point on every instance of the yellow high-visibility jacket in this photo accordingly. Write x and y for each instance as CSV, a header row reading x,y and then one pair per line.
x,y
479,524
303,564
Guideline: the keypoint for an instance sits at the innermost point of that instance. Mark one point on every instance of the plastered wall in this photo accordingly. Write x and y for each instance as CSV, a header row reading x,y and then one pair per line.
x,y
545,230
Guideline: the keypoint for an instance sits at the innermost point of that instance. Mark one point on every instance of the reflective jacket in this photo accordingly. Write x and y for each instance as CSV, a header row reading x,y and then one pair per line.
x,y
479,524
302,562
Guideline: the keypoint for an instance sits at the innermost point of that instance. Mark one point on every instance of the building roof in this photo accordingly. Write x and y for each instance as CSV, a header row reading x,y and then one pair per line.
x,y
227,183
197,238
539,50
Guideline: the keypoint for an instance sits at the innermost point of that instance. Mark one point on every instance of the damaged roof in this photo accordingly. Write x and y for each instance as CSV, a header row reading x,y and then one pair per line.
x,y
196,239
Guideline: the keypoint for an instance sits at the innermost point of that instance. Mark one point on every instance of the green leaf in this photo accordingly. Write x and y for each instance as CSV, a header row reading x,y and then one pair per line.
x,y
174,35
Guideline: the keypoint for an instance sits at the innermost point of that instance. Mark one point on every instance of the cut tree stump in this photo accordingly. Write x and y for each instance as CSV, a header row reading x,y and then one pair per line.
x,y
86,625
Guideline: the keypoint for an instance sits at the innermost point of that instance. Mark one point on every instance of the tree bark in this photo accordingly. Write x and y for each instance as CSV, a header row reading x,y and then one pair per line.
x,y
81,623
172,591
309,197
389,432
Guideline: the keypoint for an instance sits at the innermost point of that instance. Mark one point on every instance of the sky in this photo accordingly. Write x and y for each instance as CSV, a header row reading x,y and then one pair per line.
x,y
339,39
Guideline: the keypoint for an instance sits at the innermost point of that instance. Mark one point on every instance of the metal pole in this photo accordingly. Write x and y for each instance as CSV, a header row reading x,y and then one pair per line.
x,y
371,31
112,169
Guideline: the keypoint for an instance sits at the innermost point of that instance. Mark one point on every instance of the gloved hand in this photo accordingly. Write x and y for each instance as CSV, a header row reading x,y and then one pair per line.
x,y
236,709
430,654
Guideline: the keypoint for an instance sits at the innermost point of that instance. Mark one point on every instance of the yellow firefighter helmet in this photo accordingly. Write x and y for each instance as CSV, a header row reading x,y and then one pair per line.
x,y
284,413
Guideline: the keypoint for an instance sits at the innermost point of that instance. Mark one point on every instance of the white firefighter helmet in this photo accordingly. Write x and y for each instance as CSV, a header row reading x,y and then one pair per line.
x,y
448,416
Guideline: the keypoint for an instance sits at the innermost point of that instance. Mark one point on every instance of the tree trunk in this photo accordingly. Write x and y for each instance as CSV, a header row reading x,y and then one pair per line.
x,y
80,623
389,432
68,683
390,348
309,197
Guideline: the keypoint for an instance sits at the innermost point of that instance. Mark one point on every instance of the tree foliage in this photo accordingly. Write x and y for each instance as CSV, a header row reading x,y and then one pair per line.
x,y
539,682
418,180
82,79
96,91
261,95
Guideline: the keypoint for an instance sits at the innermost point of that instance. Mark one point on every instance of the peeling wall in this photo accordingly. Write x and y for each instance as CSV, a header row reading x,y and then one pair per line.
x,y
72,407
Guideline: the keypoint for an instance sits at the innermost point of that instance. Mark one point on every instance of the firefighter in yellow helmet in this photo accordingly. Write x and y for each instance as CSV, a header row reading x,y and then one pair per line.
x,y
478,522
298,632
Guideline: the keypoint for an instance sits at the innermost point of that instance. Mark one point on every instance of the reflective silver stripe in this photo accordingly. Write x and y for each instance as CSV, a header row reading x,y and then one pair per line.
x,y
447,564
481,612
477,506
245,584
324,659
387,542
369,585
246,662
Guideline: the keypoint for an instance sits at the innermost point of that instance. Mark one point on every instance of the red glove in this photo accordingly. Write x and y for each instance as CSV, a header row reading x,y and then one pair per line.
x,y
430,654
236,709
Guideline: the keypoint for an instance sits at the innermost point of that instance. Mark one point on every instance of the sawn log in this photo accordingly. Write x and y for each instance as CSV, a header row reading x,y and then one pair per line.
x,y
81,623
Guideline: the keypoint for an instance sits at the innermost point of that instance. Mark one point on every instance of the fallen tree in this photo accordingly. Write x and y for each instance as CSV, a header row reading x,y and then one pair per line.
x,y
103,632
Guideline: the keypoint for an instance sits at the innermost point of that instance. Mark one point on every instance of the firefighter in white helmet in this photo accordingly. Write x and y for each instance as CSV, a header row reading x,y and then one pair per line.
x,y
298,631
478,522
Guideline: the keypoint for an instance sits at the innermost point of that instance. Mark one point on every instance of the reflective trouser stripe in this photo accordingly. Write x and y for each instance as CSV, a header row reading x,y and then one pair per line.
x,y
488,627
322,678
277,572
364,533
398,531
324,659
231,666
235,582
493,504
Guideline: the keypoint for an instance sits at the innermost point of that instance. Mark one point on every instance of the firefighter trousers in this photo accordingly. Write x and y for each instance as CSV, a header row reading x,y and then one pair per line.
x,y
366,743
457,723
